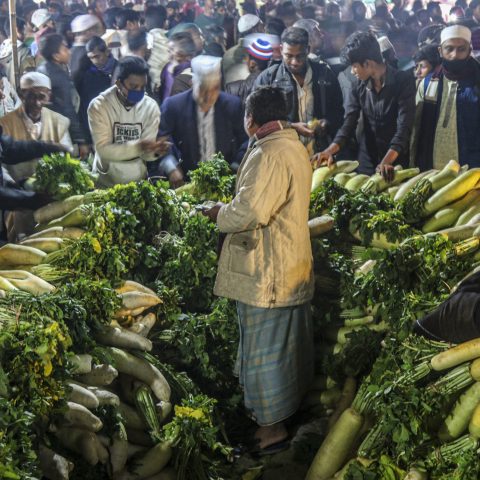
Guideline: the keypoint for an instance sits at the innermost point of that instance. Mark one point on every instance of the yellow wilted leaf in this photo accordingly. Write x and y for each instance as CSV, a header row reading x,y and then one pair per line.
x,y
47,367
96,245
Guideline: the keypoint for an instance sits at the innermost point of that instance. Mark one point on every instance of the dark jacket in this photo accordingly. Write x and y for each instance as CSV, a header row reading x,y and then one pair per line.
x,y
77,55
242,88
90,82
167,79
18,151
328,101
62,94
387,119
468,119
178,121
182,83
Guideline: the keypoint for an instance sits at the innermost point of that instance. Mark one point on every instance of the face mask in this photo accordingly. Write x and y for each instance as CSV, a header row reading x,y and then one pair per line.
x,y
133,96
455,66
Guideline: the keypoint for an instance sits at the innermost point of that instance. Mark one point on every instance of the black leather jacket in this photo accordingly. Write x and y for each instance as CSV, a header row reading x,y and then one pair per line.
x,y
242,88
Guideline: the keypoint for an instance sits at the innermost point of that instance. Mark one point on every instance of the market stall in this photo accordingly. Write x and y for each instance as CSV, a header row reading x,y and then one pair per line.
x,y
116,358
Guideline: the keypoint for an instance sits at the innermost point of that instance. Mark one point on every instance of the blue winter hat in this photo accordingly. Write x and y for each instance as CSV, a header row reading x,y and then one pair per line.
x,y
260,49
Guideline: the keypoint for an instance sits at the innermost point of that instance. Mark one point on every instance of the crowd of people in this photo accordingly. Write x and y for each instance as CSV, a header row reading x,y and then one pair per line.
x,y
150,90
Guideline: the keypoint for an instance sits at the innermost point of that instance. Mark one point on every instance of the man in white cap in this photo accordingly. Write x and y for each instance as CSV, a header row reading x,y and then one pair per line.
x,y
43,23
447,121
32,121
41,19
234,64
84,27
201,122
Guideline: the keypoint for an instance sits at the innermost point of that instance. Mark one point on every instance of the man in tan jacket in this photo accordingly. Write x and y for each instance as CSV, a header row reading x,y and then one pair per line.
x,y
266,266
31,121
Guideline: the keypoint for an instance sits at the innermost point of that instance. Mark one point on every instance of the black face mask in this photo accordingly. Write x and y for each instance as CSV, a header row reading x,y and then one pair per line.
x,y
455,66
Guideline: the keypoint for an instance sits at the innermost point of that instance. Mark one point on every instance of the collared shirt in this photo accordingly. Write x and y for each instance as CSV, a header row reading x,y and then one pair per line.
x,y
206,133
34,129
388,118
305,97
306,101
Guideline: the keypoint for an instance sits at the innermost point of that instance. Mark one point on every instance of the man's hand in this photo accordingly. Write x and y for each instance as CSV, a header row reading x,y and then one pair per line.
x,y
158,147
302,129
176,178
212,213
322,159
385,167
386,170
325,158
84,150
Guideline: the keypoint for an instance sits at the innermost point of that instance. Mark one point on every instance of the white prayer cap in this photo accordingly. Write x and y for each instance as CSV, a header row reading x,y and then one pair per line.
x,y
206,68
247,22
456,31
34,79
385,44
40,17
84,22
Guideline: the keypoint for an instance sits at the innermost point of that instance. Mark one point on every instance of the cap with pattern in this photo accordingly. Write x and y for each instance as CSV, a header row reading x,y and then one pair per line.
x,y
40,17
260,49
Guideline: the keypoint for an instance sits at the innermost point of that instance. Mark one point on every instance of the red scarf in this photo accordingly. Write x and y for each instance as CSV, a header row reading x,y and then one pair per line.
x,y
270,127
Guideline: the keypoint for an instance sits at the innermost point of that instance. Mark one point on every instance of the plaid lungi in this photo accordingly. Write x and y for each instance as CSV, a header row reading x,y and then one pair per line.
x,y
275,359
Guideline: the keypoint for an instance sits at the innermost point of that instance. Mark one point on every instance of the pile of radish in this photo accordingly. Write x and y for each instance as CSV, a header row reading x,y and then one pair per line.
x,y
129,384
125,381
399,406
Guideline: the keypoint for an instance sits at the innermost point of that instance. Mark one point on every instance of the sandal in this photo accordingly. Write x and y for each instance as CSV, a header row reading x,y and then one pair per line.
x,y
271,449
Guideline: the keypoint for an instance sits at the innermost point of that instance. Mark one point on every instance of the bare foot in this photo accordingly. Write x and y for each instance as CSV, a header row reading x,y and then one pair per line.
x,y
270,435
